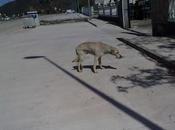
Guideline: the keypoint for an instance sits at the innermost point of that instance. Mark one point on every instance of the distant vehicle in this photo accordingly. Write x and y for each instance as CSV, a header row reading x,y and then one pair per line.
x,y
69,11
31,19
6,18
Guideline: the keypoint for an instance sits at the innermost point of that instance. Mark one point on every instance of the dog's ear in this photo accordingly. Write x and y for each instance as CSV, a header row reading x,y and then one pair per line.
x,y
113,51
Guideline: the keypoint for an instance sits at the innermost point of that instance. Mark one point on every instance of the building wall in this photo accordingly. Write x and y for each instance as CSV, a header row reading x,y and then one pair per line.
x,y
160,18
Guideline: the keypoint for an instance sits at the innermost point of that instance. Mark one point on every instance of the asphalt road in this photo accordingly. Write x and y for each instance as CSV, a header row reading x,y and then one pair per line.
x,y
11,26
46,92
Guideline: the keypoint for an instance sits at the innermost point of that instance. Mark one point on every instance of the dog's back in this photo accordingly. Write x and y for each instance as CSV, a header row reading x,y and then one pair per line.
x,y
93,48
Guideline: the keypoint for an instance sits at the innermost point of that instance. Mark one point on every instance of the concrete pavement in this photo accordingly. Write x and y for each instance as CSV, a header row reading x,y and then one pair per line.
x,y
48,93
144,26
11,27
62,18
160,49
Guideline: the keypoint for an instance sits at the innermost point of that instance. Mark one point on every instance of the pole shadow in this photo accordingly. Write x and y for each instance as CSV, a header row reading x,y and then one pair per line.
x,y
138,117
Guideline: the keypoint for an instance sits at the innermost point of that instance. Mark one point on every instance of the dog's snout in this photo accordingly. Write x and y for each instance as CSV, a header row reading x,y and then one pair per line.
x,y
119,56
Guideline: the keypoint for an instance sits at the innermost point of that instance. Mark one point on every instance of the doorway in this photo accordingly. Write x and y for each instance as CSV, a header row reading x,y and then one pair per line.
x,y
140,16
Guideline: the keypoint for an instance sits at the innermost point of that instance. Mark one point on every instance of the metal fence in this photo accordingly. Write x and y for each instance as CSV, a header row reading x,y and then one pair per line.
x,y
108,10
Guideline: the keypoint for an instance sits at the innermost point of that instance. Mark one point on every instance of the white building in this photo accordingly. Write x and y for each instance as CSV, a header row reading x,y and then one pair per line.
x,y
107,1
104,2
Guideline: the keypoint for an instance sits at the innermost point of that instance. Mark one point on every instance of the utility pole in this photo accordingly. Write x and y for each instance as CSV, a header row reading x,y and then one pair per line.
x,y
78,6
89,8
125,15
75,5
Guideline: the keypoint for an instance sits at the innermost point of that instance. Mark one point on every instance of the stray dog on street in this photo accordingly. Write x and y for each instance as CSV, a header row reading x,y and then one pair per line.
x,y
98,49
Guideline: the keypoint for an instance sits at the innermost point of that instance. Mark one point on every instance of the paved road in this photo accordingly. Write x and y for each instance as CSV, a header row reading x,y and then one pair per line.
x,y
15,26
47,93
62,17
12,26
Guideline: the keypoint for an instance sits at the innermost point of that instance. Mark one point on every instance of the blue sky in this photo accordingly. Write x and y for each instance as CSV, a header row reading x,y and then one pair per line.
x,y
4,1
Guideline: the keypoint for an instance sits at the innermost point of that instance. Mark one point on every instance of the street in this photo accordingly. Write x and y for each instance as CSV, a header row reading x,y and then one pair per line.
x,y
8,27
47,93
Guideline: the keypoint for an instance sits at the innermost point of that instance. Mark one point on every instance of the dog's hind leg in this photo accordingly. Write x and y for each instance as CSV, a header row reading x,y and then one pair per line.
x,y
100,63
80,60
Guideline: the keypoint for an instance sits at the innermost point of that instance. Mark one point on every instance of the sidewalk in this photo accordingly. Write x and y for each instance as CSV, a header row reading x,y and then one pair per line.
x,y
47,92
143,26
161,49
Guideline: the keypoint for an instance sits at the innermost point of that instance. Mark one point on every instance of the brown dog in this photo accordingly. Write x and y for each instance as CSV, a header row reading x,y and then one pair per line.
x,y
98,49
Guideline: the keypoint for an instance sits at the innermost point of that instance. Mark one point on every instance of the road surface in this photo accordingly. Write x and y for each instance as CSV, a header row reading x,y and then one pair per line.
x,y
132,93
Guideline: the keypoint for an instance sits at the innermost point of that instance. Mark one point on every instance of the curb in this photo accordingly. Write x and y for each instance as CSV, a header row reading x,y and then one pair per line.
x,y
166,63
137,33
93,24
49,22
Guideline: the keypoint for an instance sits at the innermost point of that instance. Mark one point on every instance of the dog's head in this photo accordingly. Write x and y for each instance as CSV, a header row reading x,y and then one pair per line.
x,y
116,53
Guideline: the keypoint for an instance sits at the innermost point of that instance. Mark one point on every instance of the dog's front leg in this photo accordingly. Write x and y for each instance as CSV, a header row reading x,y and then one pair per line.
x,y
80,60
95,64
80,68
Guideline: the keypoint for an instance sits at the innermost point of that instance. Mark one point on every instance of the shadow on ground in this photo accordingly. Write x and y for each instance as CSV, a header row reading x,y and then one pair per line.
x,y
118,105
170,46
132,32
159,48
144,78
165,43
91,67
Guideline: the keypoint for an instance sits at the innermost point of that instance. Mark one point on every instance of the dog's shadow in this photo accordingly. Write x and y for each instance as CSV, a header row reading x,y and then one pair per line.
x,y
91,67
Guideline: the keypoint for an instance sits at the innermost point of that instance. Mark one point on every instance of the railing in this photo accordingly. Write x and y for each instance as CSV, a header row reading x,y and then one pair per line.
x,y
108,10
